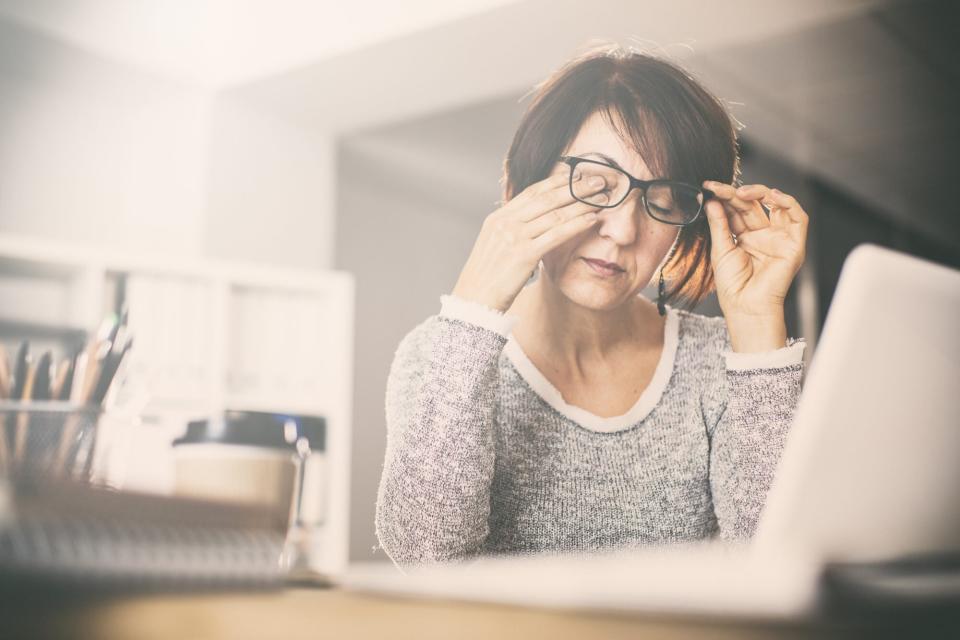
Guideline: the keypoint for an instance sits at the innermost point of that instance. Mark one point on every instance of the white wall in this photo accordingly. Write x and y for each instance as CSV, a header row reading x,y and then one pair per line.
x,y
94,152
270,189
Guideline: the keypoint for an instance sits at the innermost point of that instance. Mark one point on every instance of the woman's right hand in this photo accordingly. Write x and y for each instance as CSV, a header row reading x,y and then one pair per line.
x,y
516,236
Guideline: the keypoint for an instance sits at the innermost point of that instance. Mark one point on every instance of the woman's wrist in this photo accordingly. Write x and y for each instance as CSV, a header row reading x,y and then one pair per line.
x,y
786,356
754,334
479,298
456,307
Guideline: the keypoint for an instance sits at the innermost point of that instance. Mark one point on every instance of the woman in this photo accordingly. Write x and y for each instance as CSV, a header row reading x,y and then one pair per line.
x,y
561,411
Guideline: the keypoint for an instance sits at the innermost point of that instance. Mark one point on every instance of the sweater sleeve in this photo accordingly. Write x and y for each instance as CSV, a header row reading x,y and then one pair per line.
x,y
753,407
433,501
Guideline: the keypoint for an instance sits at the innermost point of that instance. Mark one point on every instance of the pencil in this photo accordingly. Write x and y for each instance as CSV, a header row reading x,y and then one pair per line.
x,y
4,374
67,385
59,377
4,394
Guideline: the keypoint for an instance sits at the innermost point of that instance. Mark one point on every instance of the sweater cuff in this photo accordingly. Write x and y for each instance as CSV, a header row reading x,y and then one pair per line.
x,y
455,307
782,357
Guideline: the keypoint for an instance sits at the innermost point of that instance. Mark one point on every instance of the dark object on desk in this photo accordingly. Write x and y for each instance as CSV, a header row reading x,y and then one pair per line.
x,y
927,584
70,535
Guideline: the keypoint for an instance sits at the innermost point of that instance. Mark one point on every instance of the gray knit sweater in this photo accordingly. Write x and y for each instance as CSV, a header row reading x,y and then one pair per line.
x,y
484,456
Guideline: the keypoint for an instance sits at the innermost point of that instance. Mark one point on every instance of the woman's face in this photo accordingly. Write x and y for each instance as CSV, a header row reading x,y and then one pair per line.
x,y
625,235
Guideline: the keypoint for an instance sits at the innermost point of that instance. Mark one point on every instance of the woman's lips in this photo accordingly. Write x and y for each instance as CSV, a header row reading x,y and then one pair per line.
x,y
601,268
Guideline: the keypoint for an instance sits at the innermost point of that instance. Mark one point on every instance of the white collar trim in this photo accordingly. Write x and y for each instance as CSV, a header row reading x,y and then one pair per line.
x,y
592,422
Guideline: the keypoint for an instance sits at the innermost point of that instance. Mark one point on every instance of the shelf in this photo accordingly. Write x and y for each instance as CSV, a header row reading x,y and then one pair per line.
x,y
209,335
25,330
30,267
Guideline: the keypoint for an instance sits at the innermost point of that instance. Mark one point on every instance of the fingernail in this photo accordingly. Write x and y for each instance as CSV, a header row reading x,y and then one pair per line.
x,y
596,181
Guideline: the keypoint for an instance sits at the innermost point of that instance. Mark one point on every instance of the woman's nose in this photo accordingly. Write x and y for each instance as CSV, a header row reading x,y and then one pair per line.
x,y
620,223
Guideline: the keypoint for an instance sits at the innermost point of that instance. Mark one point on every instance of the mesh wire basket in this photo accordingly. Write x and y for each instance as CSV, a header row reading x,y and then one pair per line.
x,y
48,440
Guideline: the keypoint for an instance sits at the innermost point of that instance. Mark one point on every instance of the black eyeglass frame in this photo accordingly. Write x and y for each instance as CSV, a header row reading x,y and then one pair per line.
x,y
636,183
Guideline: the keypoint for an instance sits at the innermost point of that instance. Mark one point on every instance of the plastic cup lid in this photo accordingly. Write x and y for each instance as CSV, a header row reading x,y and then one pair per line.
x,y
256,428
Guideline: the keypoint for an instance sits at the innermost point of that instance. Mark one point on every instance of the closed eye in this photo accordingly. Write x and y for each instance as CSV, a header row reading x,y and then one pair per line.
x,y
657,208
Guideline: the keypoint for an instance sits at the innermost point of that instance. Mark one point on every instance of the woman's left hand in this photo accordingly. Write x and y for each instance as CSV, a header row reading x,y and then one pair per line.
x,y
754,273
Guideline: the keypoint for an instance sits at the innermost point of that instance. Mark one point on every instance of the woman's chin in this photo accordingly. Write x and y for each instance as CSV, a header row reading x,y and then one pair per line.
x,y
594,295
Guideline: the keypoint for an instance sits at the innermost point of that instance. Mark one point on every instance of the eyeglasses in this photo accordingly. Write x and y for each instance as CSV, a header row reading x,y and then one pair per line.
x,y
667,201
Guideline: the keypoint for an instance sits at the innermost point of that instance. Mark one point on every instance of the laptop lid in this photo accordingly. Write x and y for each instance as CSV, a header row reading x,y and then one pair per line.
x,y
871,468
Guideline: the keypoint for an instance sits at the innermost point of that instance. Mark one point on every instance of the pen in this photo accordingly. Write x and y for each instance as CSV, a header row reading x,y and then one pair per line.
x,y
85,380
20,371
80,373
108,371
40,390
94,370
41,383
111,362
20,366
4,394
20,437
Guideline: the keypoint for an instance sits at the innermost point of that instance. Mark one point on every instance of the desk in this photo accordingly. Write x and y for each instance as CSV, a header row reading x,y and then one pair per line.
x,y
336,613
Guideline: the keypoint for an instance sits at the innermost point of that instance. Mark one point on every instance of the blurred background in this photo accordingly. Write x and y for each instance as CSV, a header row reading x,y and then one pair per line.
x,y
279,191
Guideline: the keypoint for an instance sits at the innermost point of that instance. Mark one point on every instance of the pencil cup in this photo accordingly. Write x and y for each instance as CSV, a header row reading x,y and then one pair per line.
x,y
48,440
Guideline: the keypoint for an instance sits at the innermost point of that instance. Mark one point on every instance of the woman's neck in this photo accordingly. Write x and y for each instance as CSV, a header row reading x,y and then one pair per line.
x,y
579,338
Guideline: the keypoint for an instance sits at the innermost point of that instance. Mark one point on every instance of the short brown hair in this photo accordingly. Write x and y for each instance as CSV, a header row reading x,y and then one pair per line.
x,y
682,131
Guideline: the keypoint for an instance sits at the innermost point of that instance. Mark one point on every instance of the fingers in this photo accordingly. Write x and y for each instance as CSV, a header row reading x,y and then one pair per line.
x,y
755,193
743,204
550,194
723,192
536,189
734,220
752,191
789,205
719,231
560,233
544,222
556,216
545,214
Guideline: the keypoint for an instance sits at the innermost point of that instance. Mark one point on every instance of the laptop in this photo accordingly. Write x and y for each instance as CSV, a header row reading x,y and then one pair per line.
x,y
869,475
